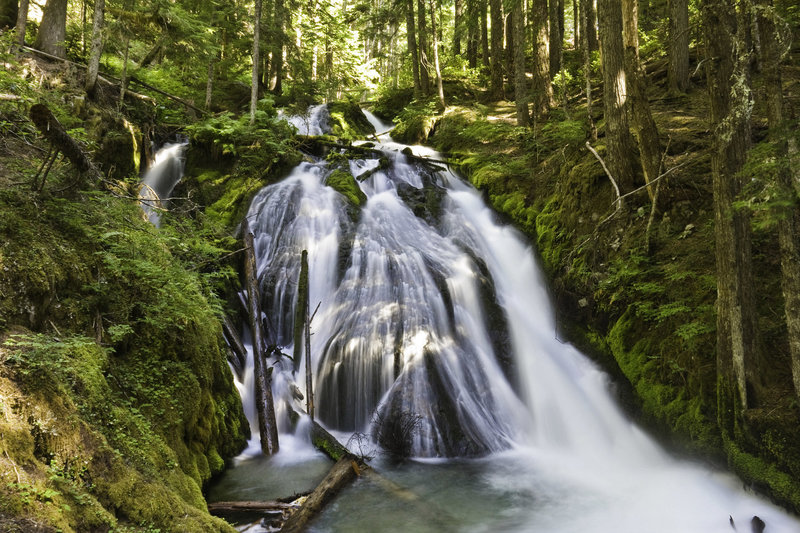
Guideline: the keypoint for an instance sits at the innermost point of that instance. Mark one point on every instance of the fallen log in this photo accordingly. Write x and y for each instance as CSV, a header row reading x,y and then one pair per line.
x,y
343,473
52,130
268,428
236,345
235,507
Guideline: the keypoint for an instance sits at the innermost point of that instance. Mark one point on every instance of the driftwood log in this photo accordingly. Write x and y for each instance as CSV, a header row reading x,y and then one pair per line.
x,y
268,429
52,130
239,357
234,507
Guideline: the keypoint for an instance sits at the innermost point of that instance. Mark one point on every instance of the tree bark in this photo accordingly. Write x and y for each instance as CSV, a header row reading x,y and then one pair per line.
x,y
268,429
239,358
436,67
591,25
52,130
508,59
22,21
619,141
646,130
210,82
587,70
98,26
730,116
458,26
412,47
556,37
256,62
520,77
496,78
53,29
473,33
422,31
678,51
542,86
483,12
789,215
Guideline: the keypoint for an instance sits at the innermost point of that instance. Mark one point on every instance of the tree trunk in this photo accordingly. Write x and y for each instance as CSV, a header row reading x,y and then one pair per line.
x,y
542,86
591,25
239,358
256,61
268,429
788,216
123,84
619,141
210,82
646,130
473,33
576,25
496,78
520,78
730,116
422,30
458,26
485,56
437,68
556,38
508,58
22,21
412,47
678,51
98,25
279,26
587,69
53,29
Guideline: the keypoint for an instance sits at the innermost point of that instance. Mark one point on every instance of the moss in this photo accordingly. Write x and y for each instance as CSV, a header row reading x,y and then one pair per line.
x,y
345,184
348,121
764,476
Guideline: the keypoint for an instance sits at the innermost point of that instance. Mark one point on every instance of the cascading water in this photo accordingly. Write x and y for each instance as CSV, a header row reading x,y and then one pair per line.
x,y
313,122
161,179
431,309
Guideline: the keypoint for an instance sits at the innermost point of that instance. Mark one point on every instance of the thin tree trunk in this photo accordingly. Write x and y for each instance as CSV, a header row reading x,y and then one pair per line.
x,y
619,141
210,82
576,25
730,117
678,50
646,130
422,31
412,47
789,216
496,78
485,56
53,29
587,70
22,21
520,78
508,67
123,84
542,86
458,26
473,33
556,38
256,61
436,66
591,25
279,26
98,25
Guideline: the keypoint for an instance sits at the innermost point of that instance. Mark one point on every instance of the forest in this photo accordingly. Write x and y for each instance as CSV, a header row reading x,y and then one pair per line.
x,y
644,151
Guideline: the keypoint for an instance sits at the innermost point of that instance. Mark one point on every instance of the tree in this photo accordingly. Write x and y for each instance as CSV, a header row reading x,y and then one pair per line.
x,y
619,141
53,29
22,21
542,87
678,49
458,25
439,86
496,78
98,26
520,78
412,46
256,62
556,35
726,69
424,75
646,130
789,211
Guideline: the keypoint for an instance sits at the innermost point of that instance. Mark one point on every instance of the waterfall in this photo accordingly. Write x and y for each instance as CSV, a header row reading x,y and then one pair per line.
x,y
434,317
160,180
313,122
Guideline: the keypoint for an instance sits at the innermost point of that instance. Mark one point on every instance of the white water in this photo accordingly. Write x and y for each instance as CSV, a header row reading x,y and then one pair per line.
x,y
403,326
160,180
313,122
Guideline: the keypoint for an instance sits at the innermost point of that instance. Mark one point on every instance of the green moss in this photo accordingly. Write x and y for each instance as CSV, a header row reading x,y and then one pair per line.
x,y
345,184
348,121
765,476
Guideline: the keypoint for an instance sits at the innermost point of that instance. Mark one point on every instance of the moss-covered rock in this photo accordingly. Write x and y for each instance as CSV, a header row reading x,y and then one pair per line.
x,y
347,121
345,184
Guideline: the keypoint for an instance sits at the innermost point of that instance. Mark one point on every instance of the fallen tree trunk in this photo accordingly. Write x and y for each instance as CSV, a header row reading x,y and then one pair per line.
x,y
268,429
234,507
343,473
52,130
239,358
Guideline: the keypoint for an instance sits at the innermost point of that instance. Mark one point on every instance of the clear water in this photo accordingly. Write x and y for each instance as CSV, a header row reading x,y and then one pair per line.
x,y
444,314
160,180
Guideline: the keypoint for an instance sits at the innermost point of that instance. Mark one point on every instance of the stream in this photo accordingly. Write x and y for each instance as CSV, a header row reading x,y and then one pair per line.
x,y
434,317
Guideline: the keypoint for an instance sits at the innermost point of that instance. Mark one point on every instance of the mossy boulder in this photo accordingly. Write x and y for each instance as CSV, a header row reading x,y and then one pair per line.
x,y
120,143
347,121
345,184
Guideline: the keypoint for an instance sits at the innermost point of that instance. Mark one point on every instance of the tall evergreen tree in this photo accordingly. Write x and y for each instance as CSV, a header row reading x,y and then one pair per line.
x,y
411,38
254,85
496,79
52,32
520,76
542,86
619,142
98,26
678,49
